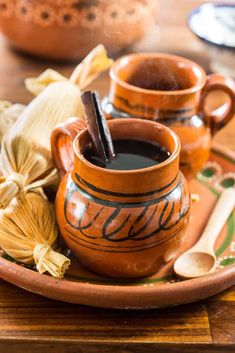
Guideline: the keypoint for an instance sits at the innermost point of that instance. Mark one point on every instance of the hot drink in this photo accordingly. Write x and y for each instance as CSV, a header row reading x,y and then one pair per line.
x,y
131,154
158,75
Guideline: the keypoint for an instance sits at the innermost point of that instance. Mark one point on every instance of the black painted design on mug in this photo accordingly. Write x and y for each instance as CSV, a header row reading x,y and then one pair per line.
x,y
115,235
120,249
151,111
122,194
170,119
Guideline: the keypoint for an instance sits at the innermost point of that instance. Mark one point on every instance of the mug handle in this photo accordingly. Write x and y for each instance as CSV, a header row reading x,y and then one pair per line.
x,y
222,115
62,138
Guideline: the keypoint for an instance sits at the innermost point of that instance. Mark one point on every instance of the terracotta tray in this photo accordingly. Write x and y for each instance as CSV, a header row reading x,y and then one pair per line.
x,y
163,289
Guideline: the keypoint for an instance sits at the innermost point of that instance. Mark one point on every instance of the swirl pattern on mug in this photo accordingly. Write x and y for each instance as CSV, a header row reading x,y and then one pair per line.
x,y
96,222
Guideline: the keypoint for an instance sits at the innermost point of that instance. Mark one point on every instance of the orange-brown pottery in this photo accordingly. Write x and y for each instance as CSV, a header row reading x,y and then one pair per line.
x,y
69,29
124,223
172,90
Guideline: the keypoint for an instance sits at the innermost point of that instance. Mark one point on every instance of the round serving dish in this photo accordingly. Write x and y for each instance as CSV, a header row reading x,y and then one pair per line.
x,y
214,25
163,288
69,29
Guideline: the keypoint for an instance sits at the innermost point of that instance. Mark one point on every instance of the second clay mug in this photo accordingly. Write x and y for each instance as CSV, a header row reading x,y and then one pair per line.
x,y
120,223
172,90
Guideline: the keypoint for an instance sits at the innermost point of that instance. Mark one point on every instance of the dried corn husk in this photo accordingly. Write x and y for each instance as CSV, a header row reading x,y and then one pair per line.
x,y
9,113
27,223
28,231
38,84
26,159
87,71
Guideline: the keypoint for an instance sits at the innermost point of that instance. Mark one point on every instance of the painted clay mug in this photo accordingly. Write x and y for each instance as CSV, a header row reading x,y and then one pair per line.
x,y
172,90
120,223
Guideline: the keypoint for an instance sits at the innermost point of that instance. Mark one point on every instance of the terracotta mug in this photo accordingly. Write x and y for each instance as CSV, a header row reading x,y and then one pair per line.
x,y
125,223
172,90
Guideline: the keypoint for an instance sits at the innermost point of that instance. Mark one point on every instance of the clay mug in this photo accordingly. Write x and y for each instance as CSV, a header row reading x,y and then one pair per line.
x,y
172,90
125,223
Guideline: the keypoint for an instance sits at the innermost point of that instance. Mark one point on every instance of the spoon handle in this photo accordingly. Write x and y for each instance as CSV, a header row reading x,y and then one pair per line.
x,y
217,220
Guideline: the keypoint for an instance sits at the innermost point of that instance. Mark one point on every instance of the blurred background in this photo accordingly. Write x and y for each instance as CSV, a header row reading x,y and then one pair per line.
x,y
37,34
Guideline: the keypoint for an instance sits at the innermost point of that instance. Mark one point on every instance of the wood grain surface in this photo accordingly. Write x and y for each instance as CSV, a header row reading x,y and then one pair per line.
x,y
32,324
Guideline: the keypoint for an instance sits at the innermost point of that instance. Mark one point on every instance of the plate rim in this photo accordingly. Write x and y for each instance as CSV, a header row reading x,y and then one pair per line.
x,y
196,11
122,296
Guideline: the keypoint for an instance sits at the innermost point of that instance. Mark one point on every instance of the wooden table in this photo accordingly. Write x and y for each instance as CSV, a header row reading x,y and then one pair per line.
x,y
30,323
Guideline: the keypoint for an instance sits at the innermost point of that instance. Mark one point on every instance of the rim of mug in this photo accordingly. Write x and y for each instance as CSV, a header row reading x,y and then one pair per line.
x,y
198,86
166,162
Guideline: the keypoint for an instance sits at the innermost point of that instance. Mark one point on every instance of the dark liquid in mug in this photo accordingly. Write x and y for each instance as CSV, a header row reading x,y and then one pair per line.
x,y
131,154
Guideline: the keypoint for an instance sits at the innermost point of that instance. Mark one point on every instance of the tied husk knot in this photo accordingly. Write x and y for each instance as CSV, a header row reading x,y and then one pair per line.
x,y
48,260
10,187
18,179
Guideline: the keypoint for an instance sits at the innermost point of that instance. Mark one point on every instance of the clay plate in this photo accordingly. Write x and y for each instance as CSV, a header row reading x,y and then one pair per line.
x,y
162,289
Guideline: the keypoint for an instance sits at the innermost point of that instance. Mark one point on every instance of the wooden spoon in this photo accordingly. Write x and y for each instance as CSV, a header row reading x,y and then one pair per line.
x,y
201,259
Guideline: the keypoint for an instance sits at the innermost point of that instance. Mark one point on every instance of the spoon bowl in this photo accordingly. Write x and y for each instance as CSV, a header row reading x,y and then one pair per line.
x,y
194,264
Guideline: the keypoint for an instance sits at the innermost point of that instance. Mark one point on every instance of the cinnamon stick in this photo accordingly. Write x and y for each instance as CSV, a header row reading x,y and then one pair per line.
x,y
97,126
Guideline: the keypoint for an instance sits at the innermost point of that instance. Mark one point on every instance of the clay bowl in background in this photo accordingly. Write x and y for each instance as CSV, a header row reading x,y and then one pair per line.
x,y
69,29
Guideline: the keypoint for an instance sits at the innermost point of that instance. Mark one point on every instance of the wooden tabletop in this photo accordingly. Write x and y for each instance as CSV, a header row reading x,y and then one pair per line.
x,y
30,323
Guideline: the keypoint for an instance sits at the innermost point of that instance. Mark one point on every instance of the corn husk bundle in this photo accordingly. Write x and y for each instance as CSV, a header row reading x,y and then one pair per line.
x,y
30,234
26,160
